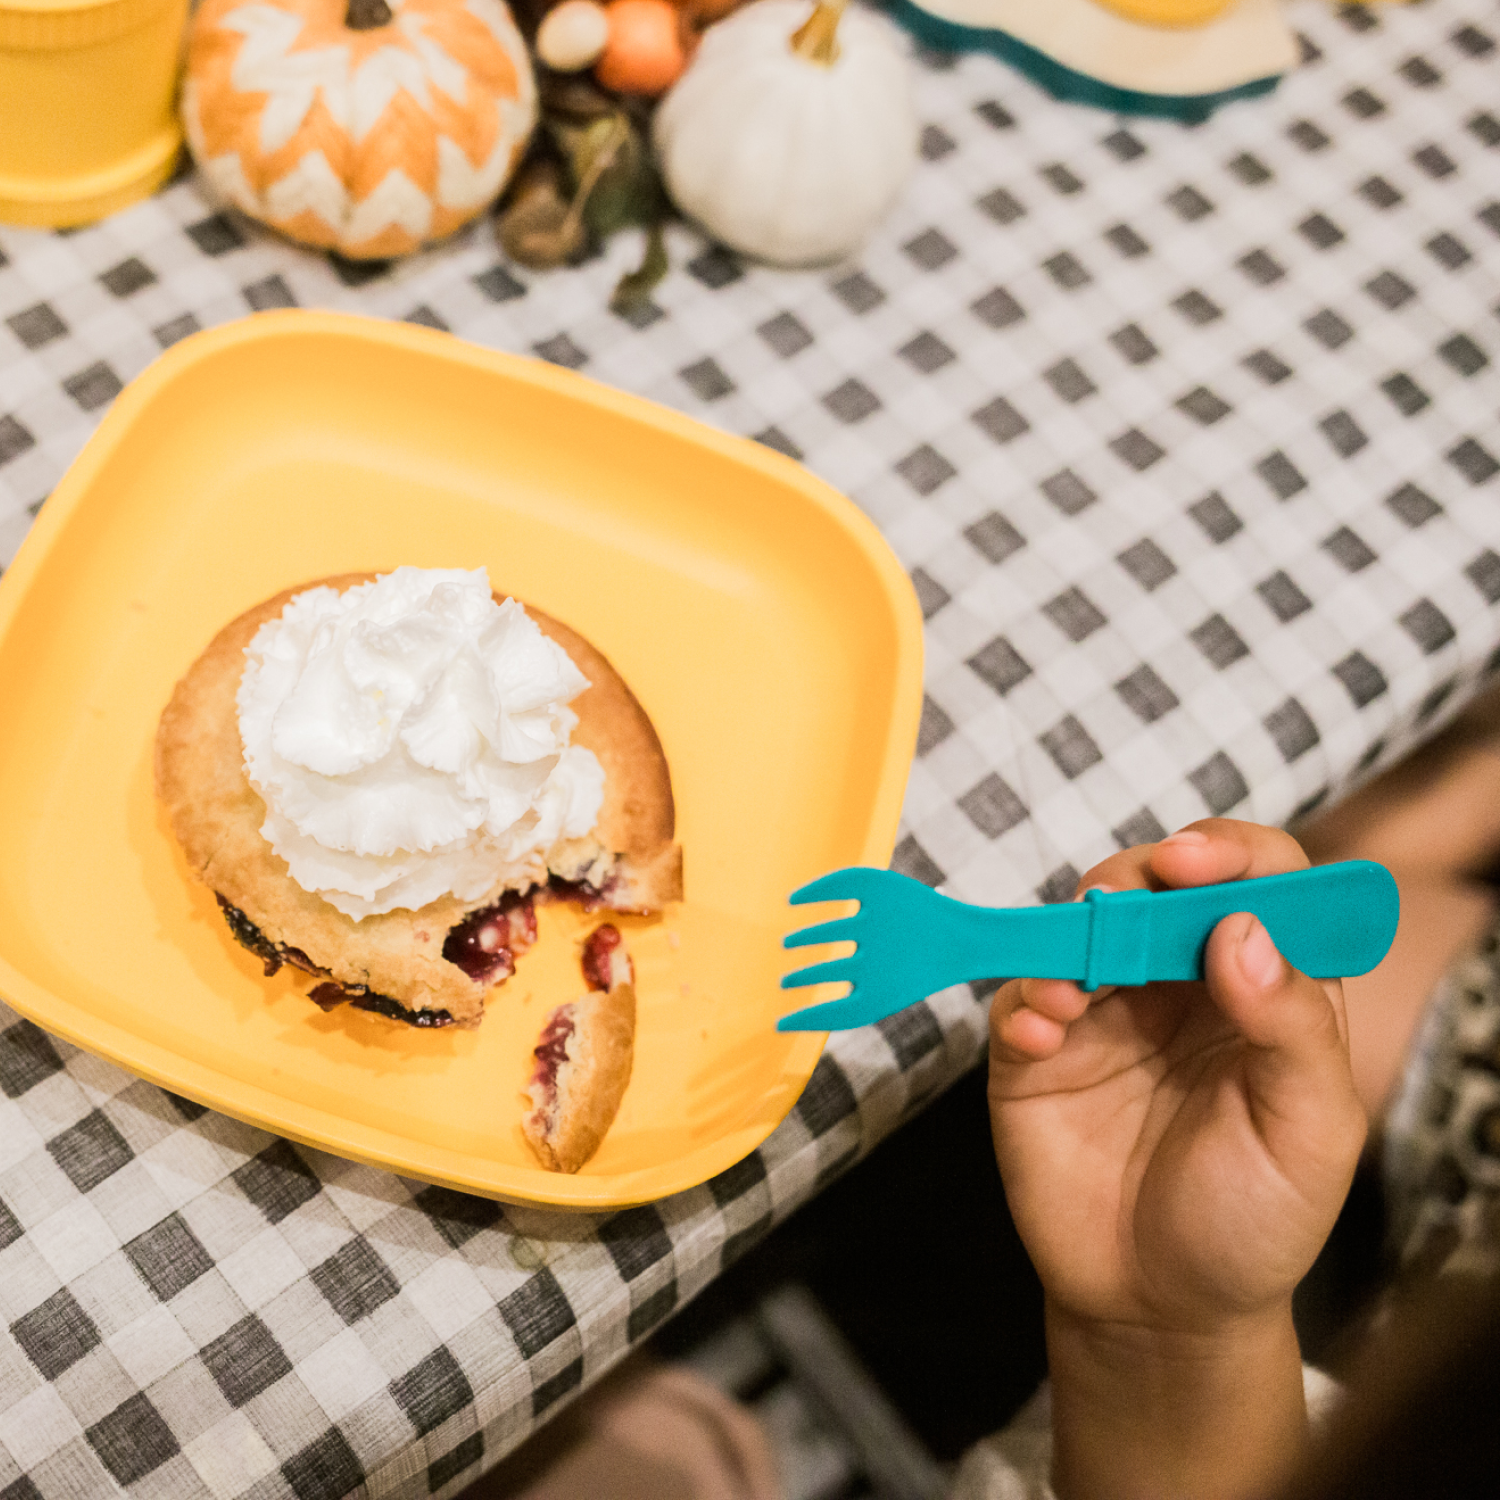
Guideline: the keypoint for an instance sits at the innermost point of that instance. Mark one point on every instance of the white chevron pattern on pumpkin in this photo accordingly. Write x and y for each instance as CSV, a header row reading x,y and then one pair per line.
x,y
308,189
290,82
460,183
441,69
397,200
291,79
312,185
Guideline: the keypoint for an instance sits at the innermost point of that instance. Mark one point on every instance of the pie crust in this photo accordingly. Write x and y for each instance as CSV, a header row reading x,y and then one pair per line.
x,y
576,1093
629,863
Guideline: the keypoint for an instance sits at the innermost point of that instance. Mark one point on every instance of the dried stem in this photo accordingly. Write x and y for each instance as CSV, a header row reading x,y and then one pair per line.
x,y
545,232
366,15
816,38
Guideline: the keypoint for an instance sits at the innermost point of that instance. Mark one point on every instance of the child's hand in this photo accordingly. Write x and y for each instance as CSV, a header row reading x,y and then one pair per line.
x,y
1175,1155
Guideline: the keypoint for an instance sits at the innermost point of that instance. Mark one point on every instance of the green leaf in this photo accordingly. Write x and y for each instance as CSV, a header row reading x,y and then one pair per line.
x,y
628,191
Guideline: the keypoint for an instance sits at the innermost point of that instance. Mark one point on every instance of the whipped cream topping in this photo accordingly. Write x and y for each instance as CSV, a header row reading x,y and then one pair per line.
x,y
410,739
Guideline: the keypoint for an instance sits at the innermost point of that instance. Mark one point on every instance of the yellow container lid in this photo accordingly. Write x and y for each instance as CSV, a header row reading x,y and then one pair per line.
x,y
59,203
88,120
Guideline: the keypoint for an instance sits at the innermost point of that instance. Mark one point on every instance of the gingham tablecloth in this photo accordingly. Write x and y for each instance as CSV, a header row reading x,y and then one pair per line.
x,y
1188,439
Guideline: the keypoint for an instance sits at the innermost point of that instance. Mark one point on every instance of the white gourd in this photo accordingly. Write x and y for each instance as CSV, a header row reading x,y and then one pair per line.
x,y
789,137
571,36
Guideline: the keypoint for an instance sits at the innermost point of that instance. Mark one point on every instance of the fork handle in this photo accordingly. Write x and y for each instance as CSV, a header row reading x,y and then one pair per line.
x,y
1331,921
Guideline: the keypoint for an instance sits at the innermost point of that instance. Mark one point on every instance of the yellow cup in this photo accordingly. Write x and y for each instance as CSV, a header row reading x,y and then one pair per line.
x,y
88,94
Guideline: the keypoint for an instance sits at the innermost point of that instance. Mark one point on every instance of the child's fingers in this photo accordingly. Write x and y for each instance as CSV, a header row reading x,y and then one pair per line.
x,y
1129,870
1261,993
1028,1036
1030,1017
1204,853
1298,1059
1219,849
1057,999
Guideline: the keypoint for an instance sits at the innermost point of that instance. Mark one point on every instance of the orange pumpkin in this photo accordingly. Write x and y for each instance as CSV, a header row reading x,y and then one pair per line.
x,y
361,126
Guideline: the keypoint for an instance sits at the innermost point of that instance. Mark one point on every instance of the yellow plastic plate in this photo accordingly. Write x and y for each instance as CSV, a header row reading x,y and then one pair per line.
x,y
760,618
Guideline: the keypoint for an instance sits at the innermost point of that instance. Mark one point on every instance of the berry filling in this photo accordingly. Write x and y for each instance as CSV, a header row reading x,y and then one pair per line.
x,y
248,935
359,997
588,897
606,965
383,1005
272,955
551,1052
484,945
330,992
598,956
326,996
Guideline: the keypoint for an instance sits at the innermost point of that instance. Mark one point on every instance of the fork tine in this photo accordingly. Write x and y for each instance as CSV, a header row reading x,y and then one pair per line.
x,y
841,929
853,884
832,972
831,1015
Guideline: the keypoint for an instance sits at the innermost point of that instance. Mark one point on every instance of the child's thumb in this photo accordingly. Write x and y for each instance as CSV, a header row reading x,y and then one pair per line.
x,y
1299,1057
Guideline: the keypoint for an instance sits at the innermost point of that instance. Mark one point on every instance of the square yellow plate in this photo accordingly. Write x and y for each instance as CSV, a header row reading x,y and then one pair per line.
x,y
760,618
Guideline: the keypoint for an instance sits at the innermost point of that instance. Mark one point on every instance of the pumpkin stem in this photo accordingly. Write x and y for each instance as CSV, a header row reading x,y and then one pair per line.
x,y
816,38
366,15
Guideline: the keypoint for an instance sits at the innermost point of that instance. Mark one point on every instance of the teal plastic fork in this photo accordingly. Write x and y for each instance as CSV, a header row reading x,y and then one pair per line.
x,y
1332,921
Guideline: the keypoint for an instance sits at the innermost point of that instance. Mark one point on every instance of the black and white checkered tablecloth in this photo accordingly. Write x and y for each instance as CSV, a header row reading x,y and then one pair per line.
x,y
1188,438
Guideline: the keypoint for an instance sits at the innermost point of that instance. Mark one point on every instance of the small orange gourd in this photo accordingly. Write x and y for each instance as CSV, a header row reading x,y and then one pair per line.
x,y
644,53
363,126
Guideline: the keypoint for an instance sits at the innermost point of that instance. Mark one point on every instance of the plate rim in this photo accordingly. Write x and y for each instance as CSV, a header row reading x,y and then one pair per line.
x,y
319,1128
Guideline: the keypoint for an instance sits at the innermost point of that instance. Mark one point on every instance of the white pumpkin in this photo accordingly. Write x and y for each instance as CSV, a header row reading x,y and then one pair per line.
x,y
790,137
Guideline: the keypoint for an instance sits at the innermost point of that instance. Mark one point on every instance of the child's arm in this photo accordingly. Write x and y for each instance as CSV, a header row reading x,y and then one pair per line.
x,y
1150,1414
1175,1156
1433,820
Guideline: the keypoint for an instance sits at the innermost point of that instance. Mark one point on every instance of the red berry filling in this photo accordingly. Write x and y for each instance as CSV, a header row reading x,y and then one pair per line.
x,y
326,996
551,1052
598,953
484,945
394,1010
588,897
272,955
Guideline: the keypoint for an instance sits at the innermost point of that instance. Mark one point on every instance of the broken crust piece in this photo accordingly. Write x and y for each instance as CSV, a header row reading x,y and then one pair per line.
x,y
583,1060
395,962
